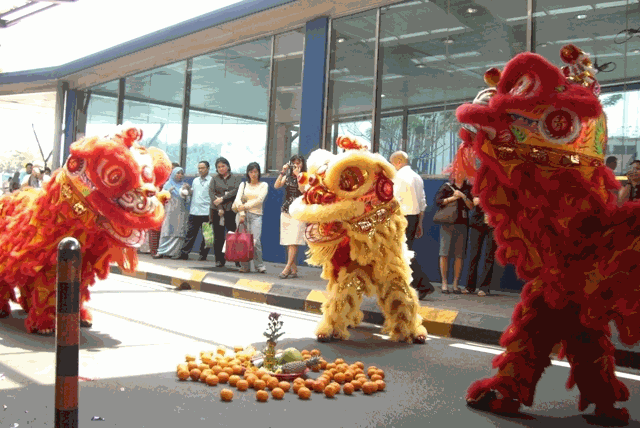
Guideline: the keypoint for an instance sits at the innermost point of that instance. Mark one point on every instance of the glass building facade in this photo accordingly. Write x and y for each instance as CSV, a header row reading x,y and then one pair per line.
x,y
395,76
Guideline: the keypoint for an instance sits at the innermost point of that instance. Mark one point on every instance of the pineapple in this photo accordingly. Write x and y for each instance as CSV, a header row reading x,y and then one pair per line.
x,y
299,366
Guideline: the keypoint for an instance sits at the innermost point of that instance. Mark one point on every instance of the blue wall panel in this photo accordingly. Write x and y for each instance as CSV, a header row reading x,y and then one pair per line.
x,y
313,82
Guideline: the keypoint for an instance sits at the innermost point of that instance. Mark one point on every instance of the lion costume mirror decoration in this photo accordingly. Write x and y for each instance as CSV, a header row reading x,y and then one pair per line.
x,y
356,232
106,196
538,138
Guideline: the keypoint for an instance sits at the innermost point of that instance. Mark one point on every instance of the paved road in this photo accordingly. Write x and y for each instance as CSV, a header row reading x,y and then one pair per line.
x,y
142,330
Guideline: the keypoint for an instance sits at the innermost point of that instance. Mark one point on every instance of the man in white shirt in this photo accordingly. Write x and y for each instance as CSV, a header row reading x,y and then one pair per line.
x,y
408,189
199,212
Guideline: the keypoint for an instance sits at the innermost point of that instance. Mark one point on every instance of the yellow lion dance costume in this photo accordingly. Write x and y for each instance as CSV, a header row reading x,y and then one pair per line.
x,y
106,196
356,232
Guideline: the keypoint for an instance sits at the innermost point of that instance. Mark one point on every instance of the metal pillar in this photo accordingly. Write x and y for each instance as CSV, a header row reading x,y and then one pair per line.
x,y
377,87
186,105
58,120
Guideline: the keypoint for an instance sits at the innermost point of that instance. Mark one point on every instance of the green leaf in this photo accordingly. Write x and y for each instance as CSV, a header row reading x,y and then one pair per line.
x,y
519,134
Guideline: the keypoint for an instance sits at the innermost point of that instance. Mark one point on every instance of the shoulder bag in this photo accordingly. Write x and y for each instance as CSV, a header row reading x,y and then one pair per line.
x,y
447,214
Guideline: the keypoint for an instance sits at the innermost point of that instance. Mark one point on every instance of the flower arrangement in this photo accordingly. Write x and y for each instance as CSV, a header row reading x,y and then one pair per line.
x,y
273,330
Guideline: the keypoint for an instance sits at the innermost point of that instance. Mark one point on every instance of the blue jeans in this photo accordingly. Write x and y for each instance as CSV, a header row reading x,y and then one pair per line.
x,y
253,222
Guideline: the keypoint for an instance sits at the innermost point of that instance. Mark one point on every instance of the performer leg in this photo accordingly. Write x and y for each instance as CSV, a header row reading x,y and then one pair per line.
x,y
529,341
399,304
42,313
590,354
6,295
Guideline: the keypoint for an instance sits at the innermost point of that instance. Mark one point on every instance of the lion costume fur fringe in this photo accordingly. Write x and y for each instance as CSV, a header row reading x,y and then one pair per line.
x,y
356,233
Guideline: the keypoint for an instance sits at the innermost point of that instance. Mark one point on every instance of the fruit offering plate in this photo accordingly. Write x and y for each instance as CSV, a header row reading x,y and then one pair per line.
x,y
289,376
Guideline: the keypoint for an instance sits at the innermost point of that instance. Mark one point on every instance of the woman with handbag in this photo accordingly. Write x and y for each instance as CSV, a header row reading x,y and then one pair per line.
x,y
454,202
249,204
480,240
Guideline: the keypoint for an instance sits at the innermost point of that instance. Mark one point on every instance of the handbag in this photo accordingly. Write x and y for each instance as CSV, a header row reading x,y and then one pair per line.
x,y
207,234
239,245
447,214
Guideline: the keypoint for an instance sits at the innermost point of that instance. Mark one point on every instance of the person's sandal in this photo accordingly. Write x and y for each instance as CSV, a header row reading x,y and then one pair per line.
x,y
243,270
445,290
456,290
466,291
482,293
293,275
284,275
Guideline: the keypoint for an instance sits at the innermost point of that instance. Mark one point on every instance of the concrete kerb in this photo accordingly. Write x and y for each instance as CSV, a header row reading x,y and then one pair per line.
x,y
455,324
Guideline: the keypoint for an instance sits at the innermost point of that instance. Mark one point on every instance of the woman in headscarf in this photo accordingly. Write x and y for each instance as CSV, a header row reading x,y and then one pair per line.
x,y
174,228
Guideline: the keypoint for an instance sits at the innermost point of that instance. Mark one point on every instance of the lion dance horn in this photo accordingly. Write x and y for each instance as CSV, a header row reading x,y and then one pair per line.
x,y
349,143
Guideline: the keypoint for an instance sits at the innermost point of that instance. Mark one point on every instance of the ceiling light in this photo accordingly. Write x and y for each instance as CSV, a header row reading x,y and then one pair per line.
x,y
543,45
472,10
447,41
636,51
581,16
341,39
383,95
421,65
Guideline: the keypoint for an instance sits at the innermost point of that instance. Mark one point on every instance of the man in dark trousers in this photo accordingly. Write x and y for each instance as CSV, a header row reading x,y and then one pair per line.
x,y
408,189
198,213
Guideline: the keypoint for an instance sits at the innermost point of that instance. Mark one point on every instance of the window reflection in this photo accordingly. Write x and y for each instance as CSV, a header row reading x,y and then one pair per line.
x,y
153,102
287,97
351,77
102,111
435,55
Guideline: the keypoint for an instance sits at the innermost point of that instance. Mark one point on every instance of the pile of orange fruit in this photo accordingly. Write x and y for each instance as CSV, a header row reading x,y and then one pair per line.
x,y
237,371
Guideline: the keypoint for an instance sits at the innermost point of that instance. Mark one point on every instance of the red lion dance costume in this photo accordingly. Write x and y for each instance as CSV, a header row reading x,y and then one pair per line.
x,y
540,136
105,197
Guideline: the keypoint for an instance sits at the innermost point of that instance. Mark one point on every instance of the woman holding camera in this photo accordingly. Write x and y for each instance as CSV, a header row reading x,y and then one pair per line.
x,y
291,230
631,190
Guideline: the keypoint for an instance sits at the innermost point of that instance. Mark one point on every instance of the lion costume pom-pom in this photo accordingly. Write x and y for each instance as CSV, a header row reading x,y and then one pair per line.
x,y
356,233
105,196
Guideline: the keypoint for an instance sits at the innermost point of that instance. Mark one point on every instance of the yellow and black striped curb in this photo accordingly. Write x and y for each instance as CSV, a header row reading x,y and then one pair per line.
x,y
440,322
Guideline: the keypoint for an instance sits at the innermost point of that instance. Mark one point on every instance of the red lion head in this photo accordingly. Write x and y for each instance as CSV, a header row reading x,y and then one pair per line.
x,y
119,179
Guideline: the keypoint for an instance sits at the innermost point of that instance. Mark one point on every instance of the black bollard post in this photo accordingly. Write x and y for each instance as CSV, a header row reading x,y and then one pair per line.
x,y
68,333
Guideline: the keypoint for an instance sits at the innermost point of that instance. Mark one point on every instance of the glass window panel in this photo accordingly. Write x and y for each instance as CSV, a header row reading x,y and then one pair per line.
x,y
435,55
102,112
351,76
623,126
285,111
229,106
610,33
153,102
390,135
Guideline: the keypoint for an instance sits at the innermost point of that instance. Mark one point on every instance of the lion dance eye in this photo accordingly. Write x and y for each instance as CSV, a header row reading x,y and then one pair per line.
x,y
352,178
147,174
114,176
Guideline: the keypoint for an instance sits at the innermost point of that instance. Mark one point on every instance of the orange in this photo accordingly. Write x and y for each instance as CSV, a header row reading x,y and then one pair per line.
x,y
212,380
192,365
297,386
306,357
329,391
348,376
309,383
323,364
277,393
259,385
285,386
183,375
223,377
228,370
348,388
360,364
331,366
262,396
216,370
339,377
251,380
343,367
182,367
238,349
260,373
380,373
195,374
203,366
315,352
205,373
338,361
226,395
233,380
305,352
242,385
318,386
357,385
222,364
189,358
381,385
304,393
273,383
328,374
369,387
237,369
375,377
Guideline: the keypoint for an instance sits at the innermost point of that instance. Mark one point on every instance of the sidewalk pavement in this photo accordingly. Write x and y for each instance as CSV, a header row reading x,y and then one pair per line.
x,y
465,317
